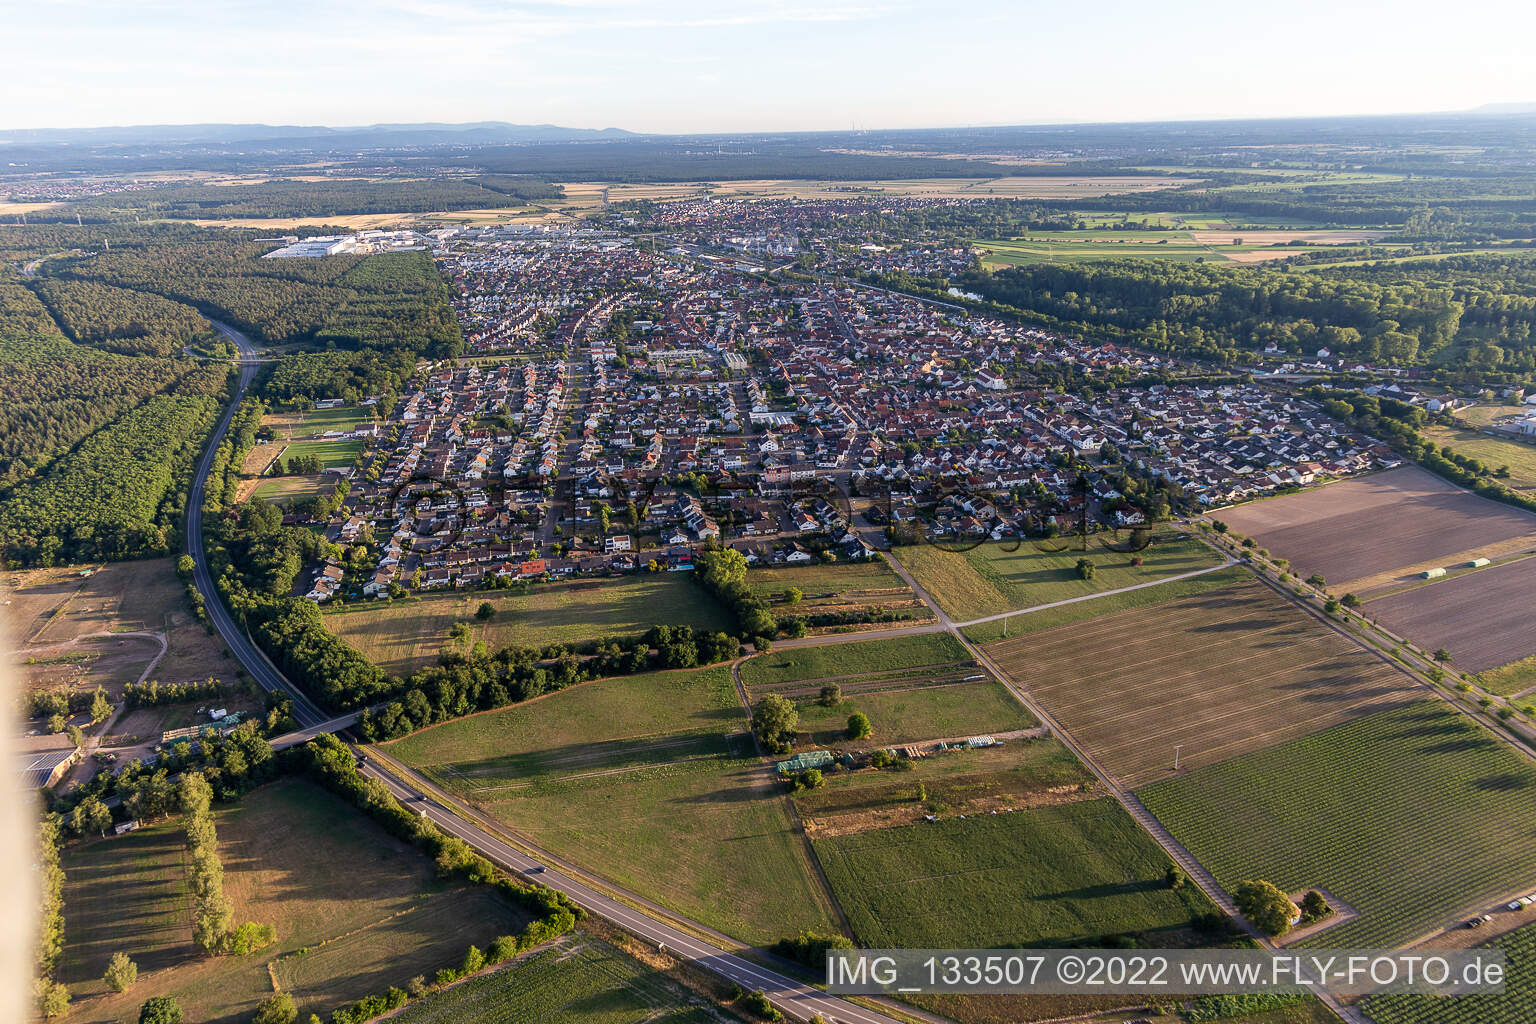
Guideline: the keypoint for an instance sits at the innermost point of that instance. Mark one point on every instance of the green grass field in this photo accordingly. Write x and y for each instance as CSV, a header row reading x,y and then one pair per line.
x,y
1029,622
836,578
317,421
1492,451
650,782
990,579
851,658
295,857
404,637
332,454
1516,1006
918,713
1047,876
582,981
1080,246
1414,816
1510,679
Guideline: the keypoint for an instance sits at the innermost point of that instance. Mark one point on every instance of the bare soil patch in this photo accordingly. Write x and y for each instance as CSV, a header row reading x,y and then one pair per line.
x,y
1217,675
1379,528
1483,618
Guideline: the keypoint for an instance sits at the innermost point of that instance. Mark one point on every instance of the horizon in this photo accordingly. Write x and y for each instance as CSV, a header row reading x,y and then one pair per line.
x,y
765,66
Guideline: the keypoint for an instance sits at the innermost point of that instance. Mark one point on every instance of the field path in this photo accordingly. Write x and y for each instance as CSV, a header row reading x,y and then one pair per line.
x,y
1137,810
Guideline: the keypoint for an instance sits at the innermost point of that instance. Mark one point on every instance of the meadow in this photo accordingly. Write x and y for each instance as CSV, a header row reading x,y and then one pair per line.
x,y
854,657
295,857
1519,456
650,782
281,490
837,588
990,579
332,454
580,981
401,637
314,422
911,714
1414,816
1048,876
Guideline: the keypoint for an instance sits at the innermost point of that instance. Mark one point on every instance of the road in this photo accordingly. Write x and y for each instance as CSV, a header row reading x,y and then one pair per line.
x,y
791,996
305,712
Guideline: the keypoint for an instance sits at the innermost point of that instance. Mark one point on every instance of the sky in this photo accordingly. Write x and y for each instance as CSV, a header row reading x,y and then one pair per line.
x,y
752,65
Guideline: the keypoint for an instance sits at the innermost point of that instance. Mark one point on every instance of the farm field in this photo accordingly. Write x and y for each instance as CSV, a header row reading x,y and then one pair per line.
x,y
332,454
1519,456
663,795
295,857
582,980
1482,617
80,627
1078,246
1019,774
1516,1006
1218,674
405,636
1040,877
838,587
990,579
280,490
1375,530
913,713
292,425
1079,611
854,657
1484,413
1413,816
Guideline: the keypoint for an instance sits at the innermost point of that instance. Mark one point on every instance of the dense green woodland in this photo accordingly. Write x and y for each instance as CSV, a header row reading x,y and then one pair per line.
x,y
119,320
281,198
1468,311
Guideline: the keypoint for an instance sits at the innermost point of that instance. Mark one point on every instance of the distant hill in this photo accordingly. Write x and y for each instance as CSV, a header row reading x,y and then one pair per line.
x,y
351,137
1505,108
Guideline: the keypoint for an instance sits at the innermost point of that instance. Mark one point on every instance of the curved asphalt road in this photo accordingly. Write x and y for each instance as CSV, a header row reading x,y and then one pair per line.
x,y
791,996
255,661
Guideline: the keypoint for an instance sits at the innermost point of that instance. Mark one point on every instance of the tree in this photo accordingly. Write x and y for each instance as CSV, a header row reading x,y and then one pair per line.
x,y
1442,655
792,595
1174,877
75,735
1220,526
858,726
1316,580
277,1008
91,815
831,695
185,567
1267,906
1351,601
775,721
1314,907
1331,606
121,973
485,612
1084,569
160,1010
101,707
52,998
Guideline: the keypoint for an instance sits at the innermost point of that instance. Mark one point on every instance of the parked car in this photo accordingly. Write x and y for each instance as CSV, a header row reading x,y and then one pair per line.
x,y
1479,921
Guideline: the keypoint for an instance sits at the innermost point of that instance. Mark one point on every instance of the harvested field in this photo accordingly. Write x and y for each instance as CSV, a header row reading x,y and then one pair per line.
x,y
1281,237
854,658
1219,674
1482,617
843,589
280,490
1383,528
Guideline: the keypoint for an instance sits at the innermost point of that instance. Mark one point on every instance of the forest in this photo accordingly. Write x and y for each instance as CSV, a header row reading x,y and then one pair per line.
x,y
289,198
119,320
1466,311
118,493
